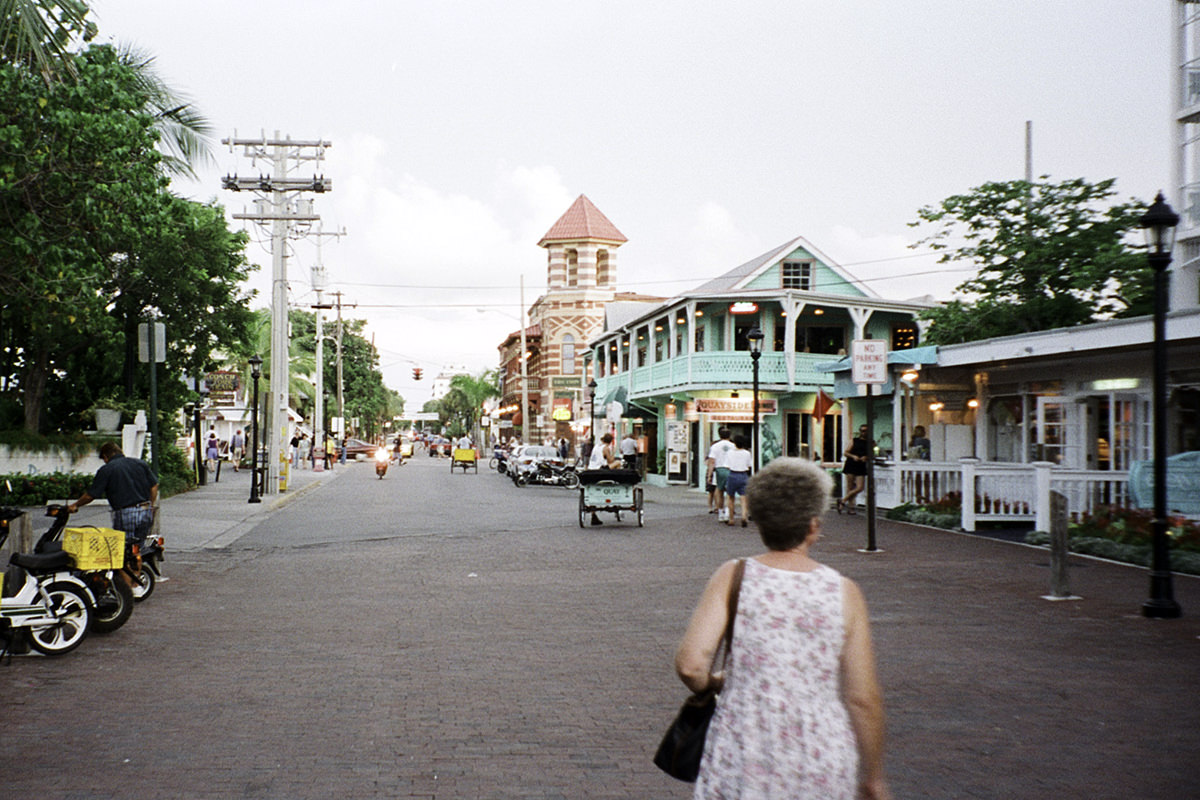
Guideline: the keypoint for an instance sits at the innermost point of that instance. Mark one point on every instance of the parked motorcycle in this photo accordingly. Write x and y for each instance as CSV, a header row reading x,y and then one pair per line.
x,y
144,565
382,457
112,588
43,598
549,475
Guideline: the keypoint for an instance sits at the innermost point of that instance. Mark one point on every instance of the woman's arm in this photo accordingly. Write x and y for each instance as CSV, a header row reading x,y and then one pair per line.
x,y
694,658
860,688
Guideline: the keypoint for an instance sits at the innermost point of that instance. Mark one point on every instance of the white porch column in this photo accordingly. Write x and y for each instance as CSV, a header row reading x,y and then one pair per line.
x,y
968,492
1041,496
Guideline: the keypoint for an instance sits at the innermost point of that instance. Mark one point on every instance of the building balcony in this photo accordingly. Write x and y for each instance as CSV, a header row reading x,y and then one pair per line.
x,y
727,369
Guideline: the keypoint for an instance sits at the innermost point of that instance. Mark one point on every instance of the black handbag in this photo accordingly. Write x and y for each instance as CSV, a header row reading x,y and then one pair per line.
x,y
682,747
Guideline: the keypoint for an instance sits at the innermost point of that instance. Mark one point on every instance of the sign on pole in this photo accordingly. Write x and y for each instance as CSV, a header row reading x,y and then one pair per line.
x,y
160,342
868,362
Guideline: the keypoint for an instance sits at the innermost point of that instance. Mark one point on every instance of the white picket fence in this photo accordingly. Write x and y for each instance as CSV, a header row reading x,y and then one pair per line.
x,y
1002,492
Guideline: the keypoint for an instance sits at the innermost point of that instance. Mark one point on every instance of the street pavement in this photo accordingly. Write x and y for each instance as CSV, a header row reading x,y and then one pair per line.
x,y
448,635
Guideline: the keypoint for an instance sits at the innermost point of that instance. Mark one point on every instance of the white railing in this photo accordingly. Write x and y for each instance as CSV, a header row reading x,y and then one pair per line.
x,y
1002,492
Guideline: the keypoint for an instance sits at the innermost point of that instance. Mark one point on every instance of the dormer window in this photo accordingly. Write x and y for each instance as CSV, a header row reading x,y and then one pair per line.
x,y
797,275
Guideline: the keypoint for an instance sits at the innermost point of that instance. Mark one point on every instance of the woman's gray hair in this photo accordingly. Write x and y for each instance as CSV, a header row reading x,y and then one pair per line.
x,y
784,497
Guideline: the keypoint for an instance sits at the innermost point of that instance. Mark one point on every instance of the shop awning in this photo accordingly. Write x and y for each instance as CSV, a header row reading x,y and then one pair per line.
x,y
629,408
843,386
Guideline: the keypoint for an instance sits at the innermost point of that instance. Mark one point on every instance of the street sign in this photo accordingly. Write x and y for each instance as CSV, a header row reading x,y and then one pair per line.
x,y
160,342
868,362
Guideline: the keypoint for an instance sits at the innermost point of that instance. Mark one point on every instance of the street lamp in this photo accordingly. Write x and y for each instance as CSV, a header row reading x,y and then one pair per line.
x,y
592,405
191,412
200,408
255,373
1159,223
755,340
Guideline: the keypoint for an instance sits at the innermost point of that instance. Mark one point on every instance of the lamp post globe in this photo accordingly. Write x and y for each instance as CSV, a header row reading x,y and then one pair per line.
x,y
1159,224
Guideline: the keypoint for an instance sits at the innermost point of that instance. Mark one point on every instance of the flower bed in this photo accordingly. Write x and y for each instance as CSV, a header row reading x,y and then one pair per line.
x,y
1124,534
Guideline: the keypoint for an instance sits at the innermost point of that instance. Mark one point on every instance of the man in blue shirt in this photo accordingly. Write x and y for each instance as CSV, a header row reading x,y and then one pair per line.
x,y
131,489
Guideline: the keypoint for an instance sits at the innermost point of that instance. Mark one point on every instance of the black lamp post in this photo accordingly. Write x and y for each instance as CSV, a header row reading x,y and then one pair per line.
x,y
255,373
199,458
592,412
191,413
1159,223
755,339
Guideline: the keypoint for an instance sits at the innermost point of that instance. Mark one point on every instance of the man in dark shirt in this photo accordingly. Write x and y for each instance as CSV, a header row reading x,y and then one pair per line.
x,y
131,489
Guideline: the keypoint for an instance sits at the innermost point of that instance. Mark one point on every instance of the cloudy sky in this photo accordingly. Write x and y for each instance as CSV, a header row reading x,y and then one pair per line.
x,y
708,132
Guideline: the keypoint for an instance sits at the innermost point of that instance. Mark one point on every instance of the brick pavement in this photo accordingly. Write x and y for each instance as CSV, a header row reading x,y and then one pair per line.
x,y
443,657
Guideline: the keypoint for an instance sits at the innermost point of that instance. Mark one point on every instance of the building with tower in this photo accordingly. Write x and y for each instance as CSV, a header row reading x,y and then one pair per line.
x,y
581,281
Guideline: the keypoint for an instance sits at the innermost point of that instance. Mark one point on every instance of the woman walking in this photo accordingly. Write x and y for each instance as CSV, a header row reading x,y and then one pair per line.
x,y
800,714
854,471
740,462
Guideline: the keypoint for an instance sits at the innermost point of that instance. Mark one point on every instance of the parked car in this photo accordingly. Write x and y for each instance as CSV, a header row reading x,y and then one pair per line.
x,y
357,447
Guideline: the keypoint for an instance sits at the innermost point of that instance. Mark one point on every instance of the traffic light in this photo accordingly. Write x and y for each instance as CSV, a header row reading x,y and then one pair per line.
x,y
416,373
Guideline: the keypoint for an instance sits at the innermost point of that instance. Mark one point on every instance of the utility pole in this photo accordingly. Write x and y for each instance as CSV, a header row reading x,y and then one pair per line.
x,y
341,399
526,422
319,282
279,202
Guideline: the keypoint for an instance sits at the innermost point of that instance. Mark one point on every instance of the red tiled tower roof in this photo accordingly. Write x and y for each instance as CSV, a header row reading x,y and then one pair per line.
x,y
582,221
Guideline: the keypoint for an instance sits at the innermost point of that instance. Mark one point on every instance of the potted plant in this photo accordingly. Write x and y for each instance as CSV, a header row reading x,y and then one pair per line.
x,y
108,411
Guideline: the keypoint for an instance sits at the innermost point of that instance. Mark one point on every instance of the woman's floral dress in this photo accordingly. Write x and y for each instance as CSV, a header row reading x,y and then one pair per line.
x,y
781,729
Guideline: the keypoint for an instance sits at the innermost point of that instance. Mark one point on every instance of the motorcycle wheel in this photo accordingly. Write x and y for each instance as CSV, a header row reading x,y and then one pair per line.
x,y
521,480
75,616
114,605
570,480
143,585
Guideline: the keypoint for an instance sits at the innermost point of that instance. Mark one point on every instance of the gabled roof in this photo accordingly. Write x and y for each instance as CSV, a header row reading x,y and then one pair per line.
x,y
740,277
583,221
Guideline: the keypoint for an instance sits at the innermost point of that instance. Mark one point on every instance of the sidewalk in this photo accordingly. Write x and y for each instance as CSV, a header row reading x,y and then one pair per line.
x,y
212,516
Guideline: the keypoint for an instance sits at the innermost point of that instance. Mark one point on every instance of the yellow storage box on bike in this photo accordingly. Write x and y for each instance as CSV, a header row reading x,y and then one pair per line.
x,y
95,548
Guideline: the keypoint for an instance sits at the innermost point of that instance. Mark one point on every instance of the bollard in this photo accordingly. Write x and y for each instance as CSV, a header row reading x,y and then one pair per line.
x,y
1060,550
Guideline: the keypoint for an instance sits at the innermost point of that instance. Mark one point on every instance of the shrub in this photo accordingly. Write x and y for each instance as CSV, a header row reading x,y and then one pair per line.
x,y
36,490
1133,526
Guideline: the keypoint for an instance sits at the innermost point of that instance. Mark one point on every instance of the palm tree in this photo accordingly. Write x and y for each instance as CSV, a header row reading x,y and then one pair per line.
x,y
183,131
40,33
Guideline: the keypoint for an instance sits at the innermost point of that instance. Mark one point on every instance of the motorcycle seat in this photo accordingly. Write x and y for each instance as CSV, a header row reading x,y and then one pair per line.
x,y
42,562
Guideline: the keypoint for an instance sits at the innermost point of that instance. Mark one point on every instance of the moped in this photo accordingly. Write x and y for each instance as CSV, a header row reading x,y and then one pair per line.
x,y
42,598
112,588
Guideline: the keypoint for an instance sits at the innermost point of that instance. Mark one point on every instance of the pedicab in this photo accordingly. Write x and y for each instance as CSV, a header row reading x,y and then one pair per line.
x,y
611,490
466,458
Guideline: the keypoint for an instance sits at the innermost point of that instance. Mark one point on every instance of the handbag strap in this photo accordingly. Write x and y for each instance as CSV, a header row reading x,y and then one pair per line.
x,y
735,591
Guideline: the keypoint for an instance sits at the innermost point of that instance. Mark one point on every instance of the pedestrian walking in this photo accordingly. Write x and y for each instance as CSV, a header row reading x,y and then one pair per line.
x,y
801,660
629,451
718,471
238,449
131,488
740,462
854,471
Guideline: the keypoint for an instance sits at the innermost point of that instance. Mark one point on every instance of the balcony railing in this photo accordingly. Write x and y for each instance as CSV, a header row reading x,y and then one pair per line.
x,y
725,367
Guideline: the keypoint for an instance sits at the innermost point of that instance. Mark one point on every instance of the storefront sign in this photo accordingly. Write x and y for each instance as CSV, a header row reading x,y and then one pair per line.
x,y
735,405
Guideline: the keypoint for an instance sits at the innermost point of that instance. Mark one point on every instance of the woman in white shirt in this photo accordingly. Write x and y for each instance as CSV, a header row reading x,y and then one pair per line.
x,y
740,463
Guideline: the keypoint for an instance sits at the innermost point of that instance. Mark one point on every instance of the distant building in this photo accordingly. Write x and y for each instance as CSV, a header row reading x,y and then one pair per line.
x,y
441,384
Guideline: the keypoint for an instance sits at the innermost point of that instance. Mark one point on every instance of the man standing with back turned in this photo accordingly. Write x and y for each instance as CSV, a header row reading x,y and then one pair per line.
x,y
131,489
718,471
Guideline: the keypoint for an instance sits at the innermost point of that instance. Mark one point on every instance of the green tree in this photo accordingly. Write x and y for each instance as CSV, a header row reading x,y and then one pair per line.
x,y
459,410
91,243
1049,255
78,175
